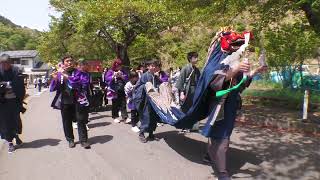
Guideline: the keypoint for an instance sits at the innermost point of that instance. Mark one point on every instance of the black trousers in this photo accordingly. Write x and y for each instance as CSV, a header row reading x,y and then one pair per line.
x,y
119,104
148,119
189,100
39,87
134,117
10,119
105,99
70,112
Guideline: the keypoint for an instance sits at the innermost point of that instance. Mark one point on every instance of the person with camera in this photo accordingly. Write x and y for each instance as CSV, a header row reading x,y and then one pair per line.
x,y
12,92
70,105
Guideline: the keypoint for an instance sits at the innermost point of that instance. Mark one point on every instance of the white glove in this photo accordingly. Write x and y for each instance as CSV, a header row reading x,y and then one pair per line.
x,y
243,47
246,42
246,38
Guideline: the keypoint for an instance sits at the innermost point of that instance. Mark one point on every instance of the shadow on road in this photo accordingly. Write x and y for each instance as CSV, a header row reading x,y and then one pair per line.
x,y
194,151
297,154
41,143
100,124
98,117
100,139
100,109
191,149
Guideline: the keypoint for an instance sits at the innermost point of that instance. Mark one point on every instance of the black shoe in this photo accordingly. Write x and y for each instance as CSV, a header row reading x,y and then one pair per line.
x,y
85,145
142,138
18,141
206,159
11,148
151,137
72,144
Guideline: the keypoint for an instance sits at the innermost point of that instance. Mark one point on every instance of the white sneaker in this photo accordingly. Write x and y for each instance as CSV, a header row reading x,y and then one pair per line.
x,y
135,129
159,124
196,127
75,125
87,127
116,120
128,120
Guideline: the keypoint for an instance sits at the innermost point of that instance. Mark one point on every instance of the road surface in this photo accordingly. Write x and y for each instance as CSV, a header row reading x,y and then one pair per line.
x,y
116,153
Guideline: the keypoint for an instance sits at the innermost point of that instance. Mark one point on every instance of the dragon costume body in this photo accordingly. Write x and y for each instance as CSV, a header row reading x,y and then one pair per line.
x,y
211,91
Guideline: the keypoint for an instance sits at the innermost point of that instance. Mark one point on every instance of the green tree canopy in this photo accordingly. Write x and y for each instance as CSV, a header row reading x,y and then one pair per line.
x,y
14,37
118,23
139,29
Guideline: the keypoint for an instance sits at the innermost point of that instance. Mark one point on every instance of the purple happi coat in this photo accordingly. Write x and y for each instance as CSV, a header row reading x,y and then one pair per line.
x,y
114,85
79,81
164,77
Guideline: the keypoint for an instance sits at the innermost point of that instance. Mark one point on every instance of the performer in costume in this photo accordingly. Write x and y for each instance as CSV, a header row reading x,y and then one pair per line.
x,y
148,116
81,83
163,76
71,99
12,92
116,79
222,127
104,86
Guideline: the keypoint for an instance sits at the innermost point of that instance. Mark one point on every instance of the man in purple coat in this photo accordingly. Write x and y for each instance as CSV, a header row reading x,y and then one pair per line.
x,y
68,100
116,79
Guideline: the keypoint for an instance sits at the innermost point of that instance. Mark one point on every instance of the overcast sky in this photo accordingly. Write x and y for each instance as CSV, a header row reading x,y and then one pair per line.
x,y
31,13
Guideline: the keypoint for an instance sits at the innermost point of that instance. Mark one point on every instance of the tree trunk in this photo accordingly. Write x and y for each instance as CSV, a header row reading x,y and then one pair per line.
x,y
122,53
313,18
121,50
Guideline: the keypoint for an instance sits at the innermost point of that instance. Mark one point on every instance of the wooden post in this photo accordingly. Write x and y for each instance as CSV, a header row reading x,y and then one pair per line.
x,y
305,104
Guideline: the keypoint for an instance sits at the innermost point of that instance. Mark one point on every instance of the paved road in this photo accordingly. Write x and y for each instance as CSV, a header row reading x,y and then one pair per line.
x,y
117,154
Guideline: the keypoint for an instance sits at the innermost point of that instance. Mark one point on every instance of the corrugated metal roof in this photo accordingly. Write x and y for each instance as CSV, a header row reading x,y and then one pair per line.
x,y
21,54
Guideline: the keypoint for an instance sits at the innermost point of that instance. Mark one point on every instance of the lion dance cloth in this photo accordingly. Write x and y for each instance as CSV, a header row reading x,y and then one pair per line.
x,y
224,53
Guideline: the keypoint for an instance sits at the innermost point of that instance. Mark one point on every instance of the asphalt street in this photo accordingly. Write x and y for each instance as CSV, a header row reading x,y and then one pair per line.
x,y
117,154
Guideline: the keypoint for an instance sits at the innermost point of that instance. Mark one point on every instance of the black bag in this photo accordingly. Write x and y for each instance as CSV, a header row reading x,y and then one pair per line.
x,y
2,92
56,103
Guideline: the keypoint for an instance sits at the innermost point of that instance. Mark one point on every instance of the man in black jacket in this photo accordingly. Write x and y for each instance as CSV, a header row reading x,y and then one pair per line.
x,y
12,92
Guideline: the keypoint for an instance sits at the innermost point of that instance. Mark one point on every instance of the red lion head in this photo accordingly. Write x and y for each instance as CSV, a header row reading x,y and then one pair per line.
x,y
231,41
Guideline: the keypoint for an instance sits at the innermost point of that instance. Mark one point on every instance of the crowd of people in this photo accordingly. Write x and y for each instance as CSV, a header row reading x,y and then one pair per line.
x,y
74,95
40,82
127,90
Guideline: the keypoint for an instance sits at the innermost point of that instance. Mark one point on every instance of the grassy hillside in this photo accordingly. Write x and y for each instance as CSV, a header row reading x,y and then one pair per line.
x,y
15,37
